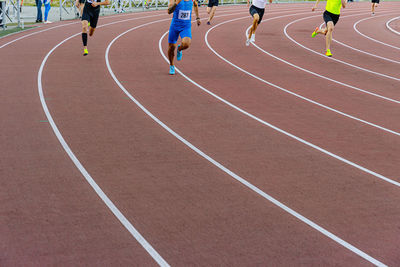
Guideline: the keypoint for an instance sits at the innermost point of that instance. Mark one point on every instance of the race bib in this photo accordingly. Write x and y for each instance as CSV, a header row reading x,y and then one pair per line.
x,y
184,14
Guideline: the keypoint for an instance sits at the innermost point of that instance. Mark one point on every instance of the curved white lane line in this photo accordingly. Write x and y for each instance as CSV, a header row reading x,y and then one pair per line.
x,y
370,38
292,93
390,28
278,129
78,22
332,58
124,221
324,77
232,174
365,52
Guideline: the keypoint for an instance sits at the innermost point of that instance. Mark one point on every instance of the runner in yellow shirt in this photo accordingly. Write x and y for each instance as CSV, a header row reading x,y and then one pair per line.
x,y
331,17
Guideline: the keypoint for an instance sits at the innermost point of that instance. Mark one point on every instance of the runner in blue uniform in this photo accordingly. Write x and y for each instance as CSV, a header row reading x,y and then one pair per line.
x,y
180,26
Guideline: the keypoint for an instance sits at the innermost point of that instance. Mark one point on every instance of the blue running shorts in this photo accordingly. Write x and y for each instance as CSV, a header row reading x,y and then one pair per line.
x,y
174,34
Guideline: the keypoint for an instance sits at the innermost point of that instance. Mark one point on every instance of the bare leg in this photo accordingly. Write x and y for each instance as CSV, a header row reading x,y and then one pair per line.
x,y
185,43
212,12
328,38
373,8
253,28
171,53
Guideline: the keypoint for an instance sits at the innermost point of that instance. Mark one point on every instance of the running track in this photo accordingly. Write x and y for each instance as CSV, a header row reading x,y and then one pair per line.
x,y
268,155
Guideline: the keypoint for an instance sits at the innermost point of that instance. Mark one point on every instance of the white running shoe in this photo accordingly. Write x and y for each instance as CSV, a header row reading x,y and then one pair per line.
x,y
247,42
253,38
47,22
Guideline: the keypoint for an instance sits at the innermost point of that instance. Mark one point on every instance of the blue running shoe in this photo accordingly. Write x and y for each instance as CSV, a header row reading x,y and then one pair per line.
x,y
178,54
171,69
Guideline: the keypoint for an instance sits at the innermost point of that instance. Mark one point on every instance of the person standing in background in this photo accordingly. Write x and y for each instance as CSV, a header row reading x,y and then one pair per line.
x,y
39,16
47,6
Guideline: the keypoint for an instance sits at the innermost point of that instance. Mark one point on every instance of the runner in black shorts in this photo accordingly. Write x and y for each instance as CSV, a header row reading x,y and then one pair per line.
x,y
331,16
374,4
211,7
256,10
90,16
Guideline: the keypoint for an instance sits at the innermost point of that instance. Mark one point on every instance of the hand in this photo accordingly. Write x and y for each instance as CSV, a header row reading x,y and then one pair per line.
x,y
77,3
94,4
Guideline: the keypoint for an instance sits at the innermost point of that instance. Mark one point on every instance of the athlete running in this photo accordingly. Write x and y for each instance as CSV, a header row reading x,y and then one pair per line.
x,y
374,4
257,12
331,16
180,26
211,8
90,16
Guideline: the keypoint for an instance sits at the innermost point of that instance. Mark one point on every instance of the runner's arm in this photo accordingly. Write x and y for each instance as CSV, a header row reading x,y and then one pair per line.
x,y
196,11
104,3
172,5
315,6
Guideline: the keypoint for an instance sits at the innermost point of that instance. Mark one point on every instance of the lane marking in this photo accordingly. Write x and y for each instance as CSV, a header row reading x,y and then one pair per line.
x,y
324,77
390,28
124,221
118,214
276,128
370,38
283,131
78,22
226,170
229,172
332,58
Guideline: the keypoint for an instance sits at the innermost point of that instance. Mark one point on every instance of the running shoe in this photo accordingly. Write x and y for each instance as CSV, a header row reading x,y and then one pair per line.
x,y
171,69
315,32
247,42
178,54
253,38
85,52
328,53
208,23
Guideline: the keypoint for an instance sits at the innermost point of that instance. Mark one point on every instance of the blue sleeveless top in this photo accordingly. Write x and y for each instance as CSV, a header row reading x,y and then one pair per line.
x,y
183,14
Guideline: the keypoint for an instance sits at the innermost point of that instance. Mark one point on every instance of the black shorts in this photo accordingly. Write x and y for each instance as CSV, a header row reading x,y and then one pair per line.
x,y
328,16
91,14
255,10
212,3
375,1
82,1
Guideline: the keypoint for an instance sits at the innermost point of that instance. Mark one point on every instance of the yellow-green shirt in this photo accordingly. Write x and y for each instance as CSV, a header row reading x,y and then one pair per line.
x,y
333,6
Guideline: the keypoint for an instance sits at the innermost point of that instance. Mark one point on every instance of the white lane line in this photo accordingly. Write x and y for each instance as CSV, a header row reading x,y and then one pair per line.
x,y
390,28
288,91
370,38
229,172
332,58
124,221
362,51
324,77
280,130
232,174
78,22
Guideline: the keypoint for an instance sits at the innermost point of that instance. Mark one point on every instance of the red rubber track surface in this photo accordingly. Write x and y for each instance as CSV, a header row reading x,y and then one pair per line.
x,y
191,212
